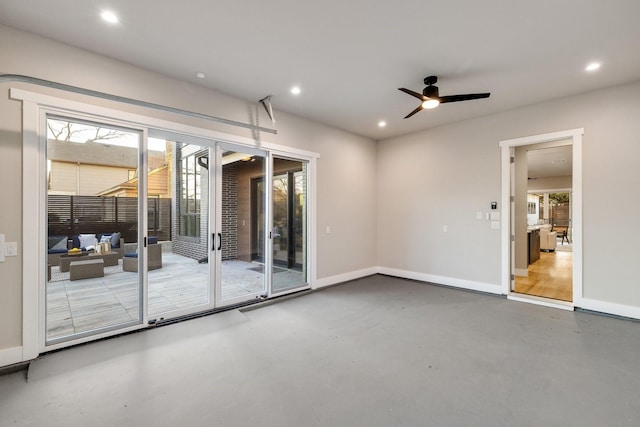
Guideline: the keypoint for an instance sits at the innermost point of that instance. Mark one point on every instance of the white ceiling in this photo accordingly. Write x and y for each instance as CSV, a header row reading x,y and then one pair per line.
x,y
350,56
550,162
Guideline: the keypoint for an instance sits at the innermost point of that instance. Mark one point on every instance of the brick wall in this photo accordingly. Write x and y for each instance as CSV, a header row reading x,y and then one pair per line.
x,y
230,212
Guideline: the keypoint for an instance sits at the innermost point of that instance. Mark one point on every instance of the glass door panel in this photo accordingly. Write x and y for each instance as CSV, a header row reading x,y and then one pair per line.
x,y
177,251
92,214
240,223
289,229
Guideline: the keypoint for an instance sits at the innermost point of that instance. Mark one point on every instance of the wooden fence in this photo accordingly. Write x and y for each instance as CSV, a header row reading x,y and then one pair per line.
x,y
70,215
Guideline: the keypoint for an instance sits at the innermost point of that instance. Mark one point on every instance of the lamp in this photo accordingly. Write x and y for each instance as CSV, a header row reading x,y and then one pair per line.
x,y
430,103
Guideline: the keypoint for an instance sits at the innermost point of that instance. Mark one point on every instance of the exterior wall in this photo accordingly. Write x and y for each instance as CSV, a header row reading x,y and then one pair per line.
x,y
191,247
230,212
247,172
83,179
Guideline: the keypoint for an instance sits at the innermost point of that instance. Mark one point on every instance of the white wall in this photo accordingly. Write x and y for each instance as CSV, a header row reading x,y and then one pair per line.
x,y
345,173
442,176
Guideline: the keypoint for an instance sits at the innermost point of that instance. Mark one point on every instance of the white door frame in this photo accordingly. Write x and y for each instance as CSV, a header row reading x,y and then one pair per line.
x,y
505,147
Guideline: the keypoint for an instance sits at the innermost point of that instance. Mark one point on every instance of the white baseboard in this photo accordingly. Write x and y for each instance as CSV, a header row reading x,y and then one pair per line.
x,y
610,308
10,356
340,278
442,280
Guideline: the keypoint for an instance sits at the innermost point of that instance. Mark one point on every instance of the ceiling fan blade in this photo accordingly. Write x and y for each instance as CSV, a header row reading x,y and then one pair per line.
x,y
412,93
414,111
467,97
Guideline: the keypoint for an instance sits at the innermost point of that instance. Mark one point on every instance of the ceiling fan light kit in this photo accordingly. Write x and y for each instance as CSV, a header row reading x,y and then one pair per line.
x,y
431,98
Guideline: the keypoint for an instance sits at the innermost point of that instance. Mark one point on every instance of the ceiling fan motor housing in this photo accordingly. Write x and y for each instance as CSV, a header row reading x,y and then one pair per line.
x,y
431,92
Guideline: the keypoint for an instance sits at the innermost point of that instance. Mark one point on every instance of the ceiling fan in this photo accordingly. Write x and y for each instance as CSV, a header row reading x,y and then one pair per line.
x,y
431,99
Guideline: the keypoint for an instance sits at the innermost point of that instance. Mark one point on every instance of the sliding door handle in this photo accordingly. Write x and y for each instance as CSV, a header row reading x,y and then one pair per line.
x,y
213,241
219,241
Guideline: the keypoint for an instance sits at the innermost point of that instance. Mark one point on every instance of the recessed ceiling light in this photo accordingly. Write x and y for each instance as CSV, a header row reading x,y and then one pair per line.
x,y
296,90
109,17
593,66
382,124
200,75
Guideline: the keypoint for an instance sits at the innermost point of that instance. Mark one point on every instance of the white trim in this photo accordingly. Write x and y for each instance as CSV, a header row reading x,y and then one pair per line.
x,y
32,275
506,145
345,277
576,218
545,137
312,252
11,356
610,308
505,237
490,288
546,302
137,120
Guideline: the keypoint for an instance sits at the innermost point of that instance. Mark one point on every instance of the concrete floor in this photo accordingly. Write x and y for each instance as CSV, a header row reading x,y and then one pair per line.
x,y
378,351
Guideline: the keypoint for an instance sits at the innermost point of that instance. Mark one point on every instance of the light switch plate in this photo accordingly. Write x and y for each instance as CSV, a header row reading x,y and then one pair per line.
x,y
495,216
11,249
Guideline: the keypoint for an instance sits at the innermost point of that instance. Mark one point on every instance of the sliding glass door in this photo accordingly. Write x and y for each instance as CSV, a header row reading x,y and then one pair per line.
x,y
289,229
145,228
92,214
205,259
241,276
179,276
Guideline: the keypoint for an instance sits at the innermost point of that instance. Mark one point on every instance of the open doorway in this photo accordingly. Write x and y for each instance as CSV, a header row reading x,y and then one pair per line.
x,y
541,196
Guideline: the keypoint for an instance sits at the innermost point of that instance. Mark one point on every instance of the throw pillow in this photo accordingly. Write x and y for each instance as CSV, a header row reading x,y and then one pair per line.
x,y
115,240
87,241
57,243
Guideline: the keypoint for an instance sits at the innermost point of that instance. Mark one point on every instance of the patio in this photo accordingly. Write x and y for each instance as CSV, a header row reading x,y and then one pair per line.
x,y
85,305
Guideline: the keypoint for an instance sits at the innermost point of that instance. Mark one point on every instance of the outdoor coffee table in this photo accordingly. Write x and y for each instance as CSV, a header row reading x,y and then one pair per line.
x,y
86,268
110,259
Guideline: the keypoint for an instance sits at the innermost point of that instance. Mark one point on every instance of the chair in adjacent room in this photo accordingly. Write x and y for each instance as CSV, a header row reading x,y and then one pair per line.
x,y
548,239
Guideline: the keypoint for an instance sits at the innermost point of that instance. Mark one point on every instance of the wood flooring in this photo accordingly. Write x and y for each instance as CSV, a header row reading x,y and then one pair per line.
x,y
549,277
